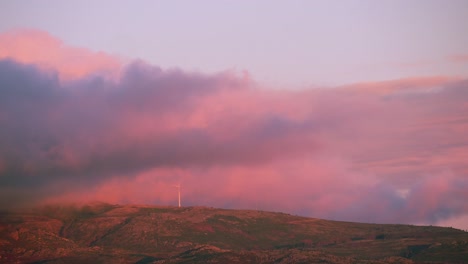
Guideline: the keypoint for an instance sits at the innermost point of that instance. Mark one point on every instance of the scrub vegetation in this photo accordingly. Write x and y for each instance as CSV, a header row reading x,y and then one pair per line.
x,y
147,234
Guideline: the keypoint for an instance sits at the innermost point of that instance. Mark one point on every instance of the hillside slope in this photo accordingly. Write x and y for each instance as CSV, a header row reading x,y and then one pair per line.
x,y
103,233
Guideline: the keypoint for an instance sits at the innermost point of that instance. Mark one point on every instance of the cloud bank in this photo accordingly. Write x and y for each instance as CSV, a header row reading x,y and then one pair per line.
x,y
97,129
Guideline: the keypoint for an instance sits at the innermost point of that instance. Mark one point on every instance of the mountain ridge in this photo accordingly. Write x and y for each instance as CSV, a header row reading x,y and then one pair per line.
x,y
108,233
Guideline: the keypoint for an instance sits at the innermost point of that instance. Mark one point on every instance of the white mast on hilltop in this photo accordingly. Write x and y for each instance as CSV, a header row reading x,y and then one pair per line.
x,y
178,189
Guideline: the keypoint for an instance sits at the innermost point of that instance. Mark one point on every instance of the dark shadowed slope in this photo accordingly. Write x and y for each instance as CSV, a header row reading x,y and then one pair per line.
x,y
147,234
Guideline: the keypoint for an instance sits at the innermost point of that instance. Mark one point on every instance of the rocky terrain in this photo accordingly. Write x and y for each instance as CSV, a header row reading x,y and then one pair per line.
x,y
104,233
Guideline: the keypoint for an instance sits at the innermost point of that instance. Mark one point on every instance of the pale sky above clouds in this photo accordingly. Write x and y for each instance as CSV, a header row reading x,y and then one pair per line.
x,y
287,44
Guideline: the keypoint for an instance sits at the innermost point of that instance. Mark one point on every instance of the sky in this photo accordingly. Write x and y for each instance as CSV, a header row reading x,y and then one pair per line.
x,y
344,110
283,44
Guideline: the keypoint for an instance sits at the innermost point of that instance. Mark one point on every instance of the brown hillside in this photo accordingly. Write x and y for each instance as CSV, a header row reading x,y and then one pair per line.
x,y
103,233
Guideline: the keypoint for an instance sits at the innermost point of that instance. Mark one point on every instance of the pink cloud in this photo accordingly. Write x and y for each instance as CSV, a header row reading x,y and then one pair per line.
x,y
381,152
40,48
459,58
406,85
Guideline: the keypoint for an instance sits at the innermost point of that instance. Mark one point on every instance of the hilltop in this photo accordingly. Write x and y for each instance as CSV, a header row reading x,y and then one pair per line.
x,y
105,233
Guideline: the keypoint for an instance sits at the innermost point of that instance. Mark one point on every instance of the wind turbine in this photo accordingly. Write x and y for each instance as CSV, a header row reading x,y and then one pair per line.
x,y
178,189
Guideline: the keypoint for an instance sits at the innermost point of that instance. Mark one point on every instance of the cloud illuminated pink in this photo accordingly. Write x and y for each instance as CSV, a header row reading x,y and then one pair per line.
x,y
459,58
391,151
40,48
